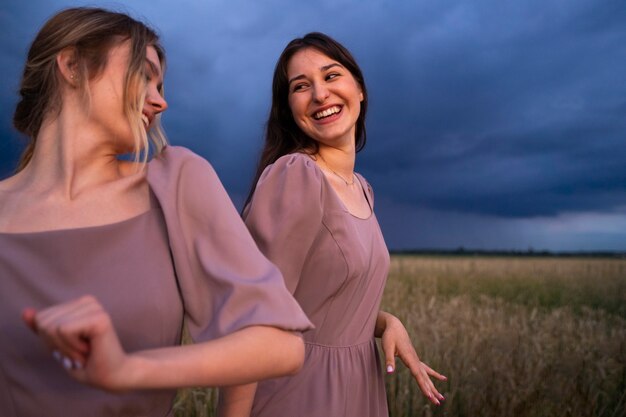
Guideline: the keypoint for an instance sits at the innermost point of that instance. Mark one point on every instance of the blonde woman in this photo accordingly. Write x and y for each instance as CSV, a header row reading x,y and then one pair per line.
x,y
104,258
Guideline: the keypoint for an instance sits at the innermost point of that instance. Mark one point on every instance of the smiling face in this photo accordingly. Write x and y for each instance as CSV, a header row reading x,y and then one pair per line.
x,y
107,98
154,103
324,98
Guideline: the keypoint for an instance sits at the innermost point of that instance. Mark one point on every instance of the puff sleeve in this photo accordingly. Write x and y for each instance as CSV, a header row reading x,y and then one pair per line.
x,y
225,281
285,213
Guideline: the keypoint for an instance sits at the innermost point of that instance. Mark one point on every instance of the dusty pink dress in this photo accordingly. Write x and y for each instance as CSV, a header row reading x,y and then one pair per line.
x,y
336,266
189,257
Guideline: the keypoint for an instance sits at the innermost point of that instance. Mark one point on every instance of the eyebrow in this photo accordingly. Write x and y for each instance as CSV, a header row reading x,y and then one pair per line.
x,y
322,69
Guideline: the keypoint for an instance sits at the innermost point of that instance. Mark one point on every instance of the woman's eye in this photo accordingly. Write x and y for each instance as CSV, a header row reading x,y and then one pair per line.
x,y
147,74
299,87
332,75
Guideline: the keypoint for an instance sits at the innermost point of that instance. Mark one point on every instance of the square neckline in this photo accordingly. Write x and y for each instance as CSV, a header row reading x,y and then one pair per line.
x,y
79,229
343,205
154,206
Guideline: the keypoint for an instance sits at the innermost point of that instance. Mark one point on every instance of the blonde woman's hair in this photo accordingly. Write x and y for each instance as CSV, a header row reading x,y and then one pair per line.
x,y
91,32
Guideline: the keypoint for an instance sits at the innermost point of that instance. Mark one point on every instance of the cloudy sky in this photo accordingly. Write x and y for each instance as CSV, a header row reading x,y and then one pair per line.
x,y
492,124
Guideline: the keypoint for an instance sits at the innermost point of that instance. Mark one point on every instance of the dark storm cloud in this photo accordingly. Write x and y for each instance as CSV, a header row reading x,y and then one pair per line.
x,y
18,23
485,116
513,111
410,227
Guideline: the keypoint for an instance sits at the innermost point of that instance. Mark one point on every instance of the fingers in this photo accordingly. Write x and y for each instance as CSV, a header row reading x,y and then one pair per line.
x,y
429,390
58,327
81,337
421,374
389,350
395,340
434,373
28,315
67,328
66,362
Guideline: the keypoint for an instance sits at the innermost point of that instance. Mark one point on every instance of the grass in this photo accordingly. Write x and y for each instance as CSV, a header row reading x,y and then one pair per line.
x,y
548,283
515,336
526,337
195,402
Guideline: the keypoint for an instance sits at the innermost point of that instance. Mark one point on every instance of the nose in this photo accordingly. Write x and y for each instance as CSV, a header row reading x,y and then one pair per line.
x,y
320,92
156,101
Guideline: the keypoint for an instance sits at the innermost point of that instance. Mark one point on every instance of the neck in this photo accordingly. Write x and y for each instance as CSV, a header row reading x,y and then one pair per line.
x,y
339,160
70,157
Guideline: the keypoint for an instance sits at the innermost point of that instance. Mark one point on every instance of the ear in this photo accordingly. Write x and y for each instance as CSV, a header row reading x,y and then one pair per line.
x,y
68,67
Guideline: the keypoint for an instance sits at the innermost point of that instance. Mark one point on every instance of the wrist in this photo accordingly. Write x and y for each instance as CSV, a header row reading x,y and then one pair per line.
x,y
392,321
385,321
130,374
389,321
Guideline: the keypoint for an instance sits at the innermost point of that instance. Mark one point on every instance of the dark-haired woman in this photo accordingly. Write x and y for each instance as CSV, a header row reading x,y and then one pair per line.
x,y
103,258
312,215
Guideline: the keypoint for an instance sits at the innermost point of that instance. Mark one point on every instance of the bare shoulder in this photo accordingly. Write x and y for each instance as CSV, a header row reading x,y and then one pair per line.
x,y
11,188
13,194
30,204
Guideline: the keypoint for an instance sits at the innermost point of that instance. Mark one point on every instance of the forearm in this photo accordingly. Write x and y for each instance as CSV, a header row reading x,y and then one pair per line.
x,y
383,320
236,400
248,355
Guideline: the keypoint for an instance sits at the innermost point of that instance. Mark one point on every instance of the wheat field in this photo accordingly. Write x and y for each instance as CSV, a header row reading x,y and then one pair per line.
x,y
517,336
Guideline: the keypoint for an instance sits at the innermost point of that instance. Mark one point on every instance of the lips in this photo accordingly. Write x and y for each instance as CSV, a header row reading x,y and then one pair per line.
x,y
322,114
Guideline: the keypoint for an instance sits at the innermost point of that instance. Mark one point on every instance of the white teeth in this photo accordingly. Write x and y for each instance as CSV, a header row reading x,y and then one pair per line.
x,y
327,112
145,119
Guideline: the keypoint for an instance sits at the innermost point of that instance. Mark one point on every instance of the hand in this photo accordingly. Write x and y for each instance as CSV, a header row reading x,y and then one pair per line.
x,y
395,341
81,337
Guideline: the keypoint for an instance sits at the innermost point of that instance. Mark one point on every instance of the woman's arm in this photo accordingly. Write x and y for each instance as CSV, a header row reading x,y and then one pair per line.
x,y
284,217
236,400
81,333
395,341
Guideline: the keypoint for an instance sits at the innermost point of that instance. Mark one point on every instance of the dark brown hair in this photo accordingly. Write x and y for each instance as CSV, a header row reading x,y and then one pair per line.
x,y
282,134
91,32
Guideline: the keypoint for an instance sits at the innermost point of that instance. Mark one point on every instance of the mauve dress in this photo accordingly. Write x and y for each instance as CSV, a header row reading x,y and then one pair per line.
x,y
336,266
189,257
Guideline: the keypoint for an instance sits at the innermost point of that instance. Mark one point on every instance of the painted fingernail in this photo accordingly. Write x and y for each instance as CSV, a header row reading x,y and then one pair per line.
x,y
389,369
57,356
67,363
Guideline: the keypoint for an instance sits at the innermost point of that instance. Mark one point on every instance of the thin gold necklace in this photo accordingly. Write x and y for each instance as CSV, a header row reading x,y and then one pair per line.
x,y
348,183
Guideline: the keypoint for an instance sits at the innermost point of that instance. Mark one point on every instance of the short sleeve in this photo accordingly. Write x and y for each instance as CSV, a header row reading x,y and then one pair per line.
x,y
225,281
284,215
